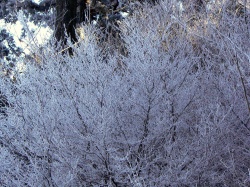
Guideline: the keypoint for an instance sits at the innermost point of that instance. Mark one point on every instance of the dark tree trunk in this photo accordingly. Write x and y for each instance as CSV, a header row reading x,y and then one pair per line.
x,y
71,18
66,19
82,9
60,13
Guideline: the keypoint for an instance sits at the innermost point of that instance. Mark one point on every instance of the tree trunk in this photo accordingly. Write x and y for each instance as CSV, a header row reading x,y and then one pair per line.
x,y
82,9
66,18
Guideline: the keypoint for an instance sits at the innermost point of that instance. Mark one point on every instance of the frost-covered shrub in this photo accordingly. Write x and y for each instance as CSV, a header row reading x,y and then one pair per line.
x,y
172,112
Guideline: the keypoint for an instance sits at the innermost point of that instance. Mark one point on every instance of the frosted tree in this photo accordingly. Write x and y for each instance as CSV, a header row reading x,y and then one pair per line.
x,y
171,111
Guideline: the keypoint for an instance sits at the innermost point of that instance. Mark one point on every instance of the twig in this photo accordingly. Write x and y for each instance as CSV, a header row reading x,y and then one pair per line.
x,y
243,85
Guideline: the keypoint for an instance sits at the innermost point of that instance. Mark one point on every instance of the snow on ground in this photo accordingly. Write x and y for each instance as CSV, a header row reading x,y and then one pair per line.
x,y
37,1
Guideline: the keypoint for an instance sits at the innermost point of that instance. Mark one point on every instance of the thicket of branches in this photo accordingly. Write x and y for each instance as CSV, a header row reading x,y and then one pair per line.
x,y
172,110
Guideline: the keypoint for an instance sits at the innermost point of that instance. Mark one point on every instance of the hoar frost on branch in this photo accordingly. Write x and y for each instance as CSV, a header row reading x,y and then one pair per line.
x,y
170,112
